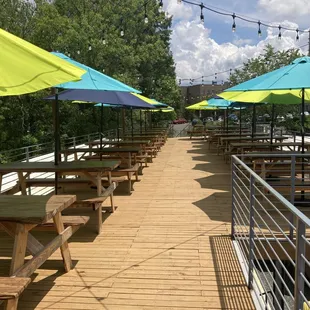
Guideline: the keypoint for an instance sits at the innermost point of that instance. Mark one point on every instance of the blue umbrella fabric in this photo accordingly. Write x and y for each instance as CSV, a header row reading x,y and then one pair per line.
x,y
293,76
108,97
93,79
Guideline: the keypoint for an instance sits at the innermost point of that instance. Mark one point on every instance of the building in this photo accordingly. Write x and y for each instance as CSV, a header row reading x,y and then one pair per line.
x,y
192,94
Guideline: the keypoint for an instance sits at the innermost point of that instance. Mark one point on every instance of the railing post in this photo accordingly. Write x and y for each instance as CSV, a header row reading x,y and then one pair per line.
x,y
27,154
88,138
299,264
233,171
251,231
292,194
74,143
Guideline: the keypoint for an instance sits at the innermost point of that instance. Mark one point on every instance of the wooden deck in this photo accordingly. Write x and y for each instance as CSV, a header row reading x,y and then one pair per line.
x,y
167,246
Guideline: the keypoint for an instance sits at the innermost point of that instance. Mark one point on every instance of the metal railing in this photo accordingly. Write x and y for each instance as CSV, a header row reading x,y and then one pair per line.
x,y
45,152
270,236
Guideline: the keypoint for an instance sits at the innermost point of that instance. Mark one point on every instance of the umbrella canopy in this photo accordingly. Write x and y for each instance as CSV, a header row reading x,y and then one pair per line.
x,y
108,97
93,79
201,106
151,101
26,68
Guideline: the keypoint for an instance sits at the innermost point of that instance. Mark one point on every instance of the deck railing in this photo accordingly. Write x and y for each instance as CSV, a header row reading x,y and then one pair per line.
x,y
270,236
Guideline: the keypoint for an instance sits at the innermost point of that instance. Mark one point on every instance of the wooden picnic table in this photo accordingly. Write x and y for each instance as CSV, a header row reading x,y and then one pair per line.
x,y
119,151
84,168
241,147
120,143
20,214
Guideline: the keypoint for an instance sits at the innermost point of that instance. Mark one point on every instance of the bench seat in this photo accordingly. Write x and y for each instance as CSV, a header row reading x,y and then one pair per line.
x,y
11,289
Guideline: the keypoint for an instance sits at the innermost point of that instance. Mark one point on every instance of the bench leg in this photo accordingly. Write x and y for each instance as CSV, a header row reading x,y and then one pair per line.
x,y
99,219
111,196
12,304
64,248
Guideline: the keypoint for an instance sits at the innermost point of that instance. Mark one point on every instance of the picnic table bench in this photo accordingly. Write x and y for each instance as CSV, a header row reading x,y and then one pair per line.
x,y
20,214
11,289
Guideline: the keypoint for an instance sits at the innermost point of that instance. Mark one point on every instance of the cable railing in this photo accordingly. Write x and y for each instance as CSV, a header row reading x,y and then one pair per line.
x,y
271,238
45,152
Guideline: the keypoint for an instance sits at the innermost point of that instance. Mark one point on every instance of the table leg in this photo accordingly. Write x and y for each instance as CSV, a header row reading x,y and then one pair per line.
x,y
111,196
22,183
129,160
12,304
64,248
19,249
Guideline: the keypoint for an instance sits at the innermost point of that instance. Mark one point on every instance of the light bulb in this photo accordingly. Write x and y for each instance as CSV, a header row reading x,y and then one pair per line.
x,y
104,42
89,47
146,20
122,33
259,33
78,52
233,28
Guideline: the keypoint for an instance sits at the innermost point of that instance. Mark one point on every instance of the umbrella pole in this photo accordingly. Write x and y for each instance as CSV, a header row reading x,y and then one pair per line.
x,y
117,125
56,137
240,123
101,129
272,123
123,121
303,139
131,116
253,120
141,121
226,120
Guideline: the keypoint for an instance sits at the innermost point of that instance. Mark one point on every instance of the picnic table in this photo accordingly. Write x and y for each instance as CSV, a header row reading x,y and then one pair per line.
x,y
121,143
119,151
242,147
83,168
20,214
226,141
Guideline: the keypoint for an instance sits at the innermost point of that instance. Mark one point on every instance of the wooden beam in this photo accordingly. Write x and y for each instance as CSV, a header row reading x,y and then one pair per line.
x,y
28,269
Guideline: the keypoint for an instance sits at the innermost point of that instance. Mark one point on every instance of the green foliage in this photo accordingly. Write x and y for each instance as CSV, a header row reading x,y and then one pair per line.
x,y
141,58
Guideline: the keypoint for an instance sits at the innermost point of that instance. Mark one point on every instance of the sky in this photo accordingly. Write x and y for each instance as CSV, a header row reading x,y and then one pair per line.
x,y
205,49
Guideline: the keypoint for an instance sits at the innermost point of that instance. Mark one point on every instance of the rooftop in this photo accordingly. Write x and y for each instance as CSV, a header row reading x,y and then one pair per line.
x,y
166,247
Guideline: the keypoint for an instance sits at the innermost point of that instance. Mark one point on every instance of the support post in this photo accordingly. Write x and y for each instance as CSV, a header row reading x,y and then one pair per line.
x,y
251,232
299,264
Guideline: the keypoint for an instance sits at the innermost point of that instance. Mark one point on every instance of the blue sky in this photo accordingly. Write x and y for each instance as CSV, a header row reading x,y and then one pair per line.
x,y
213,47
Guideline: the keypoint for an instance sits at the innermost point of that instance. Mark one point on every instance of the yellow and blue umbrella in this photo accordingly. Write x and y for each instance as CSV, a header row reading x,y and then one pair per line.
x,y
287,85
26,68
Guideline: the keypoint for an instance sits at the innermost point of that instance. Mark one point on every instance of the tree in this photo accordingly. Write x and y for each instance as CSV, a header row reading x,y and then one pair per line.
x,y
89,32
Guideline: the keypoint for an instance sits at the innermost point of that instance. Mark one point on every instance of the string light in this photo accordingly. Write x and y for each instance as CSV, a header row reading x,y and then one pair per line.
x,y
146,20
202,18
122,33
89,47
234,23
297,34
161,5
243,18
259,29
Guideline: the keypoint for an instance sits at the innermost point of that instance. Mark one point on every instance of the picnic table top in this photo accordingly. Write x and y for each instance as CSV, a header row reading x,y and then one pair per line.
x,y
254,138
94,166
33,209
268,144
104,150
126,142
235,134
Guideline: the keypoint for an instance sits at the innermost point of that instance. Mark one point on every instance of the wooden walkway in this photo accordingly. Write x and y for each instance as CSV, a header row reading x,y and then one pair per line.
x,y
167,247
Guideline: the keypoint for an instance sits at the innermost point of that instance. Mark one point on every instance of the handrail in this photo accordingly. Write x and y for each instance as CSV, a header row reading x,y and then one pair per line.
x,y
270,234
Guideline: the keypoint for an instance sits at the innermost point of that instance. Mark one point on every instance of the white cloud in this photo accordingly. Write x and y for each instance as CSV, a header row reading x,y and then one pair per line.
x,y
296,10
197,54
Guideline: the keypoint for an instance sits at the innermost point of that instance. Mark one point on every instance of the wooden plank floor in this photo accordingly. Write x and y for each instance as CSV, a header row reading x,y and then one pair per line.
x,y
167,247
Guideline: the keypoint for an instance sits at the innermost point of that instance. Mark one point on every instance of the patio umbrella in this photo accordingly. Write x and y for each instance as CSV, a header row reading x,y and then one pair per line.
x,y
289,84
26,68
